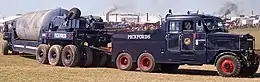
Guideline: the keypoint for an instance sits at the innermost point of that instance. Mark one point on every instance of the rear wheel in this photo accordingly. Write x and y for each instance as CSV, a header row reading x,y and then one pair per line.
x,y
5,47
146,63
169,68
124,62
87,57
42,53
70,56
54,55
228,66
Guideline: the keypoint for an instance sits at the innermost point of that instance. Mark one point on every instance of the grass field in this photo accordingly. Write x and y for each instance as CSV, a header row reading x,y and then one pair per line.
x,y
15,68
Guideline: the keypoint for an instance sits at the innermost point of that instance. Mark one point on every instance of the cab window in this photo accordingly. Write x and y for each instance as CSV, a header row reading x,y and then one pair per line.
x,y
174,26
187,26
199,26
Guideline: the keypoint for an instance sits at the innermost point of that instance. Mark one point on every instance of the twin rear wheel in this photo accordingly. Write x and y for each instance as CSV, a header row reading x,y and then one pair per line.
x,y
56,55
145,62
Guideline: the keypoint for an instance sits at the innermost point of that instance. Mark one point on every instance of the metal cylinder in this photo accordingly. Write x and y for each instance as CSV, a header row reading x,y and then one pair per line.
x,y
29,25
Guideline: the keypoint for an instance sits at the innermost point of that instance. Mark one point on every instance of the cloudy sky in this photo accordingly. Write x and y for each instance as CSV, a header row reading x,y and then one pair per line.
x,y
98,7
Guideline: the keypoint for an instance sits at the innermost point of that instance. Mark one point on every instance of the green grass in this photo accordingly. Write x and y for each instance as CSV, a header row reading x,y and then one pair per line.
x,y
17,68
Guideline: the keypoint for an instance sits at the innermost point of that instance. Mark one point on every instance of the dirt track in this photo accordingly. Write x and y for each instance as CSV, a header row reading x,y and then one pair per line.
x,y
17,68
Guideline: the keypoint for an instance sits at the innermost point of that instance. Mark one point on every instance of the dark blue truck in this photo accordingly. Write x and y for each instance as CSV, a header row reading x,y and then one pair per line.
x,y
192,39
66,38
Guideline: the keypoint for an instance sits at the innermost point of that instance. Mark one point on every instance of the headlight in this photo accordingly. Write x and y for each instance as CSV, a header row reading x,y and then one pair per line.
x,y
249,39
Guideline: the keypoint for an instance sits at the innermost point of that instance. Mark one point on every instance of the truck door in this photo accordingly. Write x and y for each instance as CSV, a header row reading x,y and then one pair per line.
x,y
187,41
193,39
173,41
200,42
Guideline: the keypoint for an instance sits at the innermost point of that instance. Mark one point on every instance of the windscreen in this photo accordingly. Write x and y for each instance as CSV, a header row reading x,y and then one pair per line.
x,y
214,24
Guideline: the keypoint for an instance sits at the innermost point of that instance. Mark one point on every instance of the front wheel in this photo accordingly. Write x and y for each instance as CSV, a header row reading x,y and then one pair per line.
x,y
228,66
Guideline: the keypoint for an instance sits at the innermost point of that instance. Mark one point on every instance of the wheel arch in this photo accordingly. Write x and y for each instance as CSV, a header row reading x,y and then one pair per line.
x,y
224,52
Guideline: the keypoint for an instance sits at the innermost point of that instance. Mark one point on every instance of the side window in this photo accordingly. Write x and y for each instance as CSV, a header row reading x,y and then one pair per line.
x,y
199,26
174,26
187,26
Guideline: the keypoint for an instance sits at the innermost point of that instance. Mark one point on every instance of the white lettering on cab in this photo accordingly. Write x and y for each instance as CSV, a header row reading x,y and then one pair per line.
x,y
139,37
60,35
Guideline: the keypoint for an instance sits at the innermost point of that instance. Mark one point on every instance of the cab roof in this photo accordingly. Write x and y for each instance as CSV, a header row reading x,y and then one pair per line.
x,y
189,16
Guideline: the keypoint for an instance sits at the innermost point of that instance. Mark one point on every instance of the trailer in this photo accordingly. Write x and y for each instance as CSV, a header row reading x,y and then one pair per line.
x,y
193,39
58,37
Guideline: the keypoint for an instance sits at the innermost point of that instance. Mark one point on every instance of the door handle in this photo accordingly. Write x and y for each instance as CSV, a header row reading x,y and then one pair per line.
x,y
167,36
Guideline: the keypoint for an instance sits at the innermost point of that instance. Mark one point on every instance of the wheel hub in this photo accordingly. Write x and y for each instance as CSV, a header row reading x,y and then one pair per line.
x,y
41,54
53,55
123,60
145,62
227,66
67,56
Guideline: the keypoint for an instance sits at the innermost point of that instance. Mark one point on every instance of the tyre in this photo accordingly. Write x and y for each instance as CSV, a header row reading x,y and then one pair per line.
x,y
103,60
74,13
124,62
96,58
42,54
5,47
54,55
169,68
249,71
86,57
228,66
70,56
146,63
15,52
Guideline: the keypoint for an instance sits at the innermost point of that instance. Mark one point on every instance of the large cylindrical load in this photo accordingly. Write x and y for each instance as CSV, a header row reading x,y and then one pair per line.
x,y
29,25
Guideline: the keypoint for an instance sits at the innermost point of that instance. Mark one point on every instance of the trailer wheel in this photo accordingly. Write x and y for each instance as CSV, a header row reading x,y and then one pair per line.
x,y
146,63
42,53
124,62
103,60
249,71
169,68
74,13
228,66
70,56
87,57
5,47
54,55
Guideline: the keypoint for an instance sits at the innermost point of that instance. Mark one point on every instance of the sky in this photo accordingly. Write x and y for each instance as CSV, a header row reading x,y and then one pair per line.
x,y
99,7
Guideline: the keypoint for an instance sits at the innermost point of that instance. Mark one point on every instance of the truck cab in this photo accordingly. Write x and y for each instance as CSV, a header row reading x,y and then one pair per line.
x,y
193,39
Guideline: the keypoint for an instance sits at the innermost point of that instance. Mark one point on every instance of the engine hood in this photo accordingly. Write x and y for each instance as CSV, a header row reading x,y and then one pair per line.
x,y
230,35
226,41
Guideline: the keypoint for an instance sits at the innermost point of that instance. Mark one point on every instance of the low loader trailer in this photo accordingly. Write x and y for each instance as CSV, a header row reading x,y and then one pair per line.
x,y
64,38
